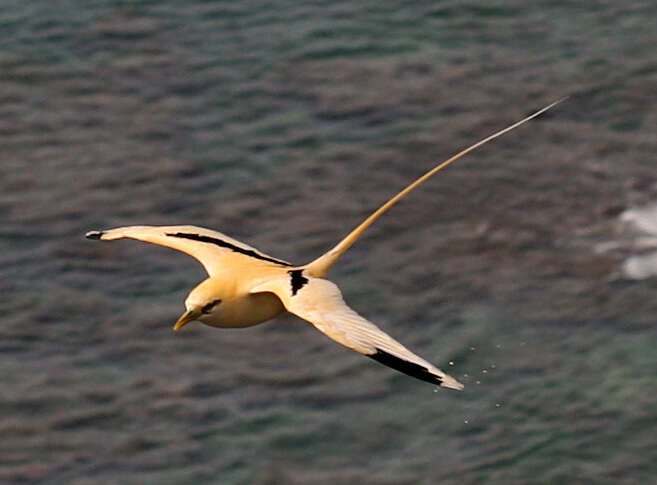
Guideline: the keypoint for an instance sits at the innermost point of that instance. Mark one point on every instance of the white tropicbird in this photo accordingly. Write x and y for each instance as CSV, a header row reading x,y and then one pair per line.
x,y
246,287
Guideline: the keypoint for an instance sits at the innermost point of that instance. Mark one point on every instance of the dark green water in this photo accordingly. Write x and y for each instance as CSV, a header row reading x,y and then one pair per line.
x,y
284,124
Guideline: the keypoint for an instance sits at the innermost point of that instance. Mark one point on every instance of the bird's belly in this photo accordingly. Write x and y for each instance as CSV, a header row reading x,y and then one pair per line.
x,y
245,311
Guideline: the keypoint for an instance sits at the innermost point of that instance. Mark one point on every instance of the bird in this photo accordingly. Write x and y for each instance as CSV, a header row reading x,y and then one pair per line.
x,y
246,287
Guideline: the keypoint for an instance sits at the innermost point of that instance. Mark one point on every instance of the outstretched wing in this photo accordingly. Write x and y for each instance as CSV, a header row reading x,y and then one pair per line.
x,y
206,245
320,302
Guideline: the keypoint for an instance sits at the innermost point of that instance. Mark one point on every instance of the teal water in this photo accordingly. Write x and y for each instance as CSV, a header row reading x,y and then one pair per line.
x,y
284,124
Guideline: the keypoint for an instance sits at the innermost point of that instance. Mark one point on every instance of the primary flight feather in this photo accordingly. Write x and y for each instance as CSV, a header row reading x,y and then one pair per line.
x,y
246,286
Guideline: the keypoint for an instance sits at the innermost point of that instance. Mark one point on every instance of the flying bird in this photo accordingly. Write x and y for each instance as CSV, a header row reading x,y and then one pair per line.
x,y
246,286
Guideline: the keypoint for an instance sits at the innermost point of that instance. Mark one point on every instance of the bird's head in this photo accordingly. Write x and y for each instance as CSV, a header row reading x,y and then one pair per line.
x,y
201,302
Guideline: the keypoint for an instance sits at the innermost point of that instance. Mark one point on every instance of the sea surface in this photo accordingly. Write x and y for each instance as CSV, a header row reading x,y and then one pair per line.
x,y
284,124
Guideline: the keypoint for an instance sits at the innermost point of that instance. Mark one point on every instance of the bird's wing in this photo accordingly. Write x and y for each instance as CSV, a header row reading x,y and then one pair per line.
x,y
205,245
320,302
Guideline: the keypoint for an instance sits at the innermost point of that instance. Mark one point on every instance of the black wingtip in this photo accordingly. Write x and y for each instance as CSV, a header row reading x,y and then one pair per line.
x,y
94,235
408,368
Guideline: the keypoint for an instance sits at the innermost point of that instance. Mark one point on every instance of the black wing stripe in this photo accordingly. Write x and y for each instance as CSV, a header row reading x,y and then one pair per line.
x,y
409,368
227,245
297,280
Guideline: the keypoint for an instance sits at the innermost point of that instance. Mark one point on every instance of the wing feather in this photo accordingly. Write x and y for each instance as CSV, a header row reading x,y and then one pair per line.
x,y
205,245
320,302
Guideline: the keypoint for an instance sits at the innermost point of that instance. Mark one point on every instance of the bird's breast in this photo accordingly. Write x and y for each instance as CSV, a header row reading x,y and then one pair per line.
x,y
245,310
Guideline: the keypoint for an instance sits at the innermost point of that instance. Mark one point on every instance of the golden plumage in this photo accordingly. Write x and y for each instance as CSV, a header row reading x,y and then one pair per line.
x,y
246,287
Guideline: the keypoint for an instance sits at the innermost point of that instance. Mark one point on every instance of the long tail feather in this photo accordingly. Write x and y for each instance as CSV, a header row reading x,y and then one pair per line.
x,y
320,266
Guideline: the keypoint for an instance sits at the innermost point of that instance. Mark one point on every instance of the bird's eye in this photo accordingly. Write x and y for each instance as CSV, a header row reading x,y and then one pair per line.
x,y
208,308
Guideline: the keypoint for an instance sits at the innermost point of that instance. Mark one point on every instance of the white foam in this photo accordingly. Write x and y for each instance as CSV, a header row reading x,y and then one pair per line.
x,y
641,222
643,219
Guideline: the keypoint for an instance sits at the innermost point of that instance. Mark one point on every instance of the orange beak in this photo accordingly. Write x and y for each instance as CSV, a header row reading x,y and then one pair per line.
x,y
186,317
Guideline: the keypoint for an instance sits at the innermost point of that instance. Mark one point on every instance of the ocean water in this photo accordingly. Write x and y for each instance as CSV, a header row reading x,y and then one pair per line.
x,y
283,125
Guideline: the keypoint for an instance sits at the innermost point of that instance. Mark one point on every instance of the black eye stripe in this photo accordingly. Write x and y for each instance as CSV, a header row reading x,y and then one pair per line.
x,y
208,308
